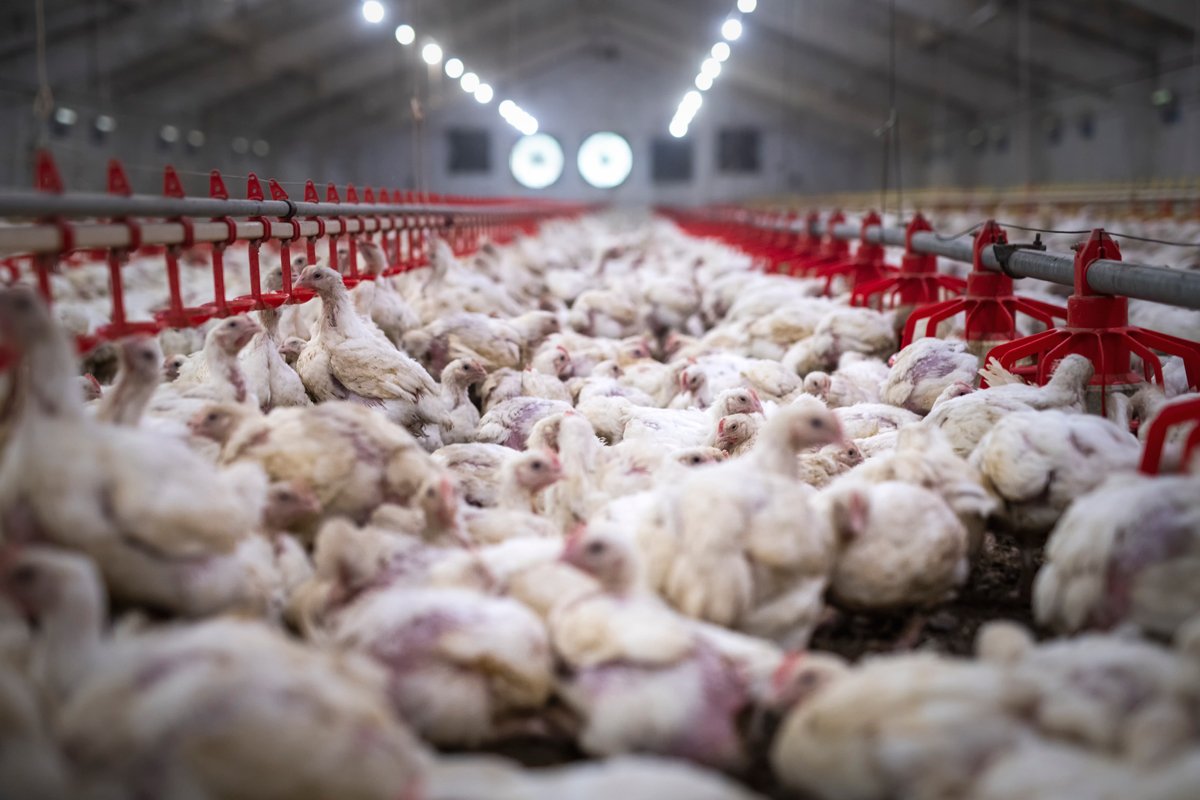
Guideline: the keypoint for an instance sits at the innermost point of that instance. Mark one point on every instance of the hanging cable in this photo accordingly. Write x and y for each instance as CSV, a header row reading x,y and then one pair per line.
x,y
43,101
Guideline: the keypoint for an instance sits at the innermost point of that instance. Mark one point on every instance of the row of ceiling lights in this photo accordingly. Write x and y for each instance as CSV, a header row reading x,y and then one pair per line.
x,y
374,12
710,68
64,120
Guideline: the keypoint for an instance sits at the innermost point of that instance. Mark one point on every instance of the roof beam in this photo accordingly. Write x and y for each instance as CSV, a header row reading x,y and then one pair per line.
x,y
1184,14
159,26
968,34
375,67
826,31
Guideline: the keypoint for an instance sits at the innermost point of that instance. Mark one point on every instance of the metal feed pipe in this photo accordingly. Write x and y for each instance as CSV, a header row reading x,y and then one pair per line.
x,y
1129,279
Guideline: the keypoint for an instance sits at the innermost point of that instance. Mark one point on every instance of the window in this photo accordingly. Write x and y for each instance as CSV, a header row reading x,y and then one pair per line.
x,y
671,160
738,150
605,160
536,161
470,150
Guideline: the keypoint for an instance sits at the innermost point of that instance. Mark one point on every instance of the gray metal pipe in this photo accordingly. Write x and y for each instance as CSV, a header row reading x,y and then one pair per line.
x,y
33,204
1127,278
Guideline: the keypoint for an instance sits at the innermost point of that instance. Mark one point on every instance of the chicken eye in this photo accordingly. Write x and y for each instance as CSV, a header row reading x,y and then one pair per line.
x,y
212,417
596,548
536,466
818,423
694,460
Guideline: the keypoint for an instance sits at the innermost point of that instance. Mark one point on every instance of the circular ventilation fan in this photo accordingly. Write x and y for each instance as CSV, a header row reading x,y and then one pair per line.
x,y
536,161
605,160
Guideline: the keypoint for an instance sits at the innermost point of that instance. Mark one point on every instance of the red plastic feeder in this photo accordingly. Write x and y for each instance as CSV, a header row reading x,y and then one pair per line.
x,y
829,250
989,304
867,265
916,283
1098,328
1183,411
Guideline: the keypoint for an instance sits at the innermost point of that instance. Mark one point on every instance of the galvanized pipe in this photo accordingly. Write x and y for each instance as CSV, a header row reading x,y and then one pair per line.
x,y
33,204
1127,278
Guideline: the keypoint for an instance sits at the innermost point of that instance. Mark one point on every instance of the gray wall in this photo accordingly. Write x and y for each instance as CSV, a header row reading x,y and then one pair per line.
x,y
1131,142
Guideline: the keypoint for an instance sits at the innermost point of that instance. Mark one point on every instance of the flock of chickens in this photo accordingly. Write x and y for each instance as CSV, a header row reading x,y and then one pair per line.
x,y
595,488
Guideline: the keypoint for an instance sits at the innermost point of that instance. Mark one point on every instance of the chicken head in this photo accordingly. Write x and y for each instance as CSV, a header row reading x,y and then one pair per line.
x,y
537,470
289,503
605,556
232,334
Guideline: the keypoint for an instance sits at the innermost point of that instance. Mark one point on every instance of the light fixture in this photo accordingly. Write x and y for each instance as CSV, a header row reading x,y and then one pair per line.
x,y
373,11
405,34
105,124
703,82
677,129
65,116
605,160
732,29
536,160
710,67
261,148
483,93
431,53
469,82
747,6
169,134
195,139
720,51
241,145
454,68
518,117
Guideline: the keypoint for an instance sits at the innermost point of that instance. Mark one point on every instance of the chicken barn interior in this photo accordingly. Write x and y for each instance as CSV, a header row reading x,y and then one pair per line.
x,y
591,399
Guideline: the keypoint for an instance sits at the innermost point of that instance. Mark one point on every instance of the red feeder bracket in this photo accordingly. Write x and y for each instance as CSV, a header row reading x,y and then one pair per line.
x,y
310,244
217,190
176,315
47,179
278,298
1097,327
119,326
917,282
254,300
1182,411
829,249
990,304
867,264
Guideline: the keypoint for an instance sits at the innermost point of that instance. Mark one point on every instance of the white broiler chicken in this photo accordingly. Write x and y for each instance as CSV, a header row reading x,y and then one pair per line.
x,y
671,428
921,371
865,420
904,726
1114,694
639,677
1128,552
476,467
856,380
739,543
139,374
460,664
457,379
510,422
966,418
387,308
1037,462
922,456
900,546
218,376
842,330
82,483
351,457
273,381
345,361
191,712
626,777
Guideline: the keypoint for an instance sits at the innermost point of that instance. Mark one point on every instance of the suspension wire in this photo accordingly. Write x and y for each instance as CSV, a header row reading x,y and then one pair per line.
x,y
1082,232
43,101
890,129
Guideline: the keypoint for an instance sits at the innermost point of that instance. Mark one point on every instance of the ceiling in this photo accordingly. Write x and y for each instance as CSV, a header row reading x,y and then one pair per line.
x,y
290,64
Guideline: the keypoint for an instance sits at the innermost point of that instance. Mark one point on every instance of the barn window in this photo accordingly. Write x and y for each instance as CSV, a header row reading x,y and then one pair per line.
x,y
738,150
671,160
470,150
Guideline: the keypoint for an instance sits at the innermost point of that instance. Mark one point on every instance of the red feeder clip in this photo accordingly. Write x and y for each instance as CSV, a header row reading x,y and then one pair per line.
x,y
829,250
1182,411
176,315
119,326
917,282
1097,327
867,265
990,305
